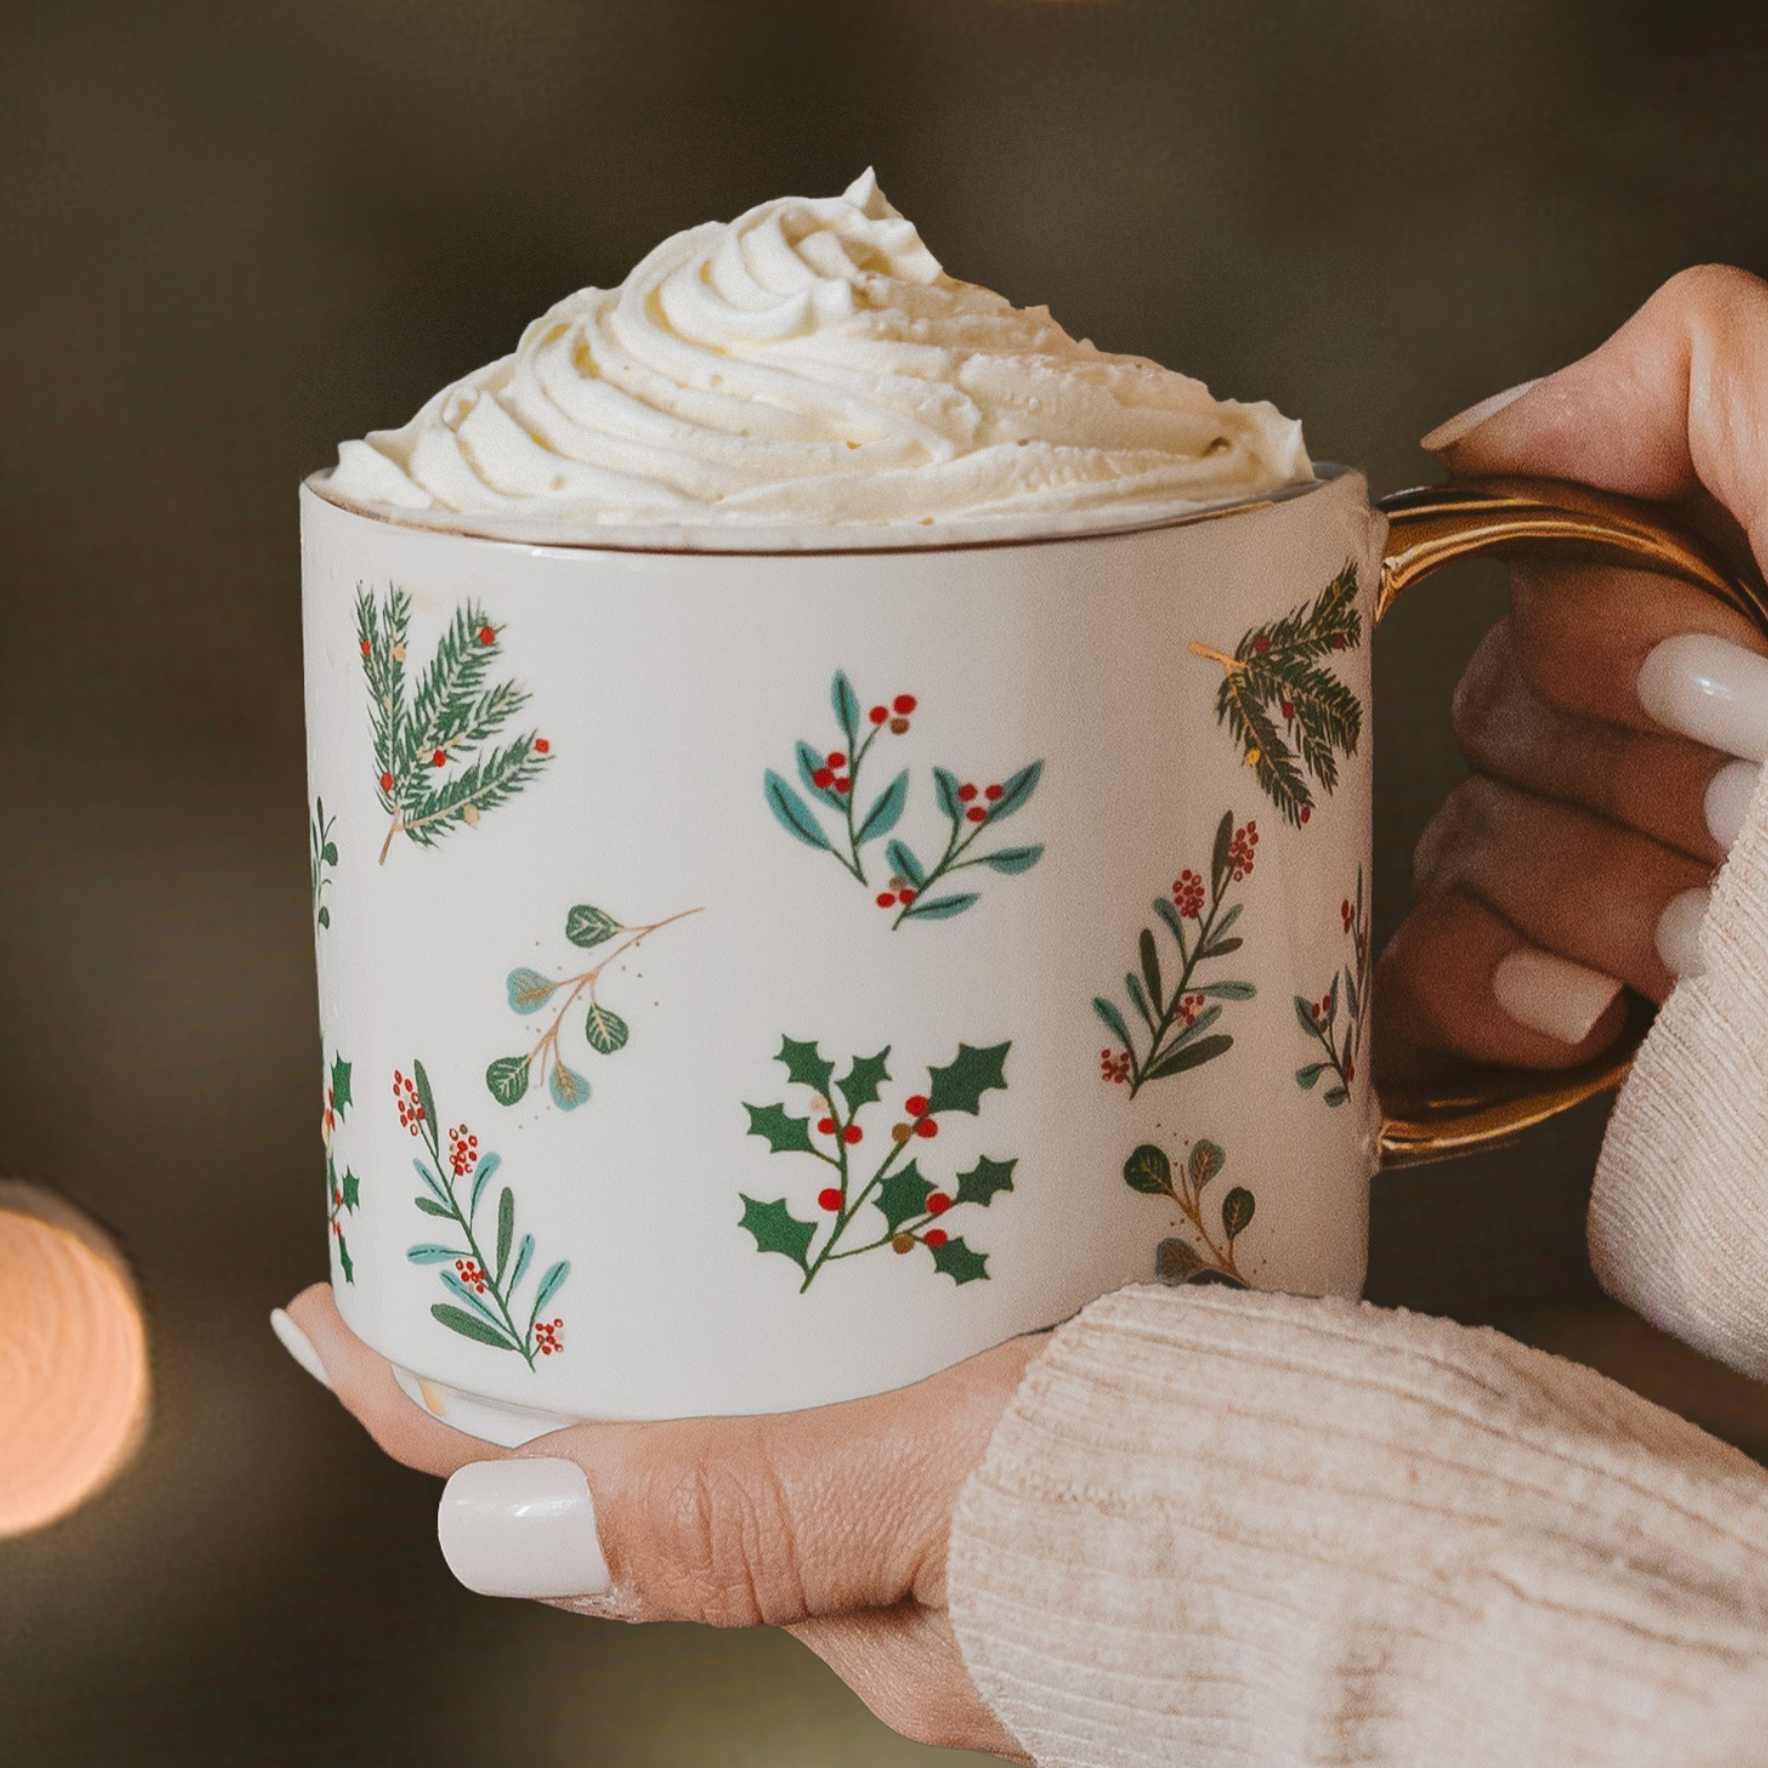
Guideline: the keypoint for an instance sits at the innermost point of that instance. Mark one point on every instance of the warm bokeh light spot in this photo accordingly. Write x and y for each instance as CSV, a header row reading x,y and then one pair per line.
x,y
73,1359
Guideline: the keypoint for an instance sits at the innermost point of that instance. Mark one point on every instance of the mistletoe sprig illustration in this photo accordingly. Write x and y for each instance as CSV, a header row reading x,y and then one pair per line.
x,y
343,1191
1202,1258
1178,1019
831,779
467,1273
1281,671
911,1208
603,1029
322,854
1319,1019
453,714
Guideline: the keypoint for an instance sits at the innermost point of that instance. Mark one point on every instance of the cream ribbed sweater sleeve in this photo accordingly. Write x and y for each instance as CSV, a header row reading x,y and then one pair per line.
x,y
1222,1528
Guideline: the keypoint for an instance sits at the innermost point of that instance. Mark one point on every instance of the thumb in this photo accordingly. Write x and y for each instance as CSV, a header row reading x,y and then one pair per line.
x,y
735,1522
1673,407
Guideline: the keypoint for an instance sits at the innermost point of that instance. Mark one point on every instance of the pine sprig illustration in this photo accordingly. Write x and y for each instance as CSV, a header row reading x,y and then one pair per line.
x,y
1281,671
1178,1018
831,780
1319,1019
343,1191
604,1030
911,1208
468,1273
453,715
1202,1258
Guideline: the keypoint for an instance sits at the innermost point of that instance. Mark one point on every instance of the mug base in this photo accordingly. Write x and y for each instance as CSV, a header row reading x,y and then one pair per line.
x,y
493,1421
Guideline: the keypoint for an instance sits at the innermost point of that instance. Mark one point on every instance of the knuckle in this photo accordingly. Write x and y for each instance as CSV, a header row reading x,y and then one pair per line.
x,y
1480,694
1705,292
1463,825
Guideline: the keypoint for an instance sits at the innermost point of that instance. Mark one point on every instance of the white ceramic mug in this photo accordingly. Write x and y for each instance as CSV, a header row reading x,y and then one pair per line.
x,y
753,980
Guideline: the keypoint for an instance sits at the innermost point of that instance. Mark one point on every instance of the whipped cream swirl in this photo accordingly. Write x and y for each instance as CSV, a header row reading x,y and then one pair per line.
x,y
810,366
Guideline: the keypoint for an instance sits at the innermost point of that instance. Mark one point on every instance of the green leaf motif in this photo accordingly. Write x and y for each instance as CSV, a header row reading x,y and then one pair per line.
x,y
340,1086
1180,1061
846,704
959,1262
776,1229
946,787
985,1181
784,1134
324,917
606,1031
344,1261
941,908
1016,792
1176,1261
529,991
1151,966
860,1084
806,1065
1113,1020
425,1098
506,1228
904,863
569,1088
960,1084
507,1078
351,1186
431,1207
1305,1077
1304,1017
1149,1171
432,1255
551,1284
587,926
1205,1160
1012,860
810,764
903,1196
793,814
1237,1208
470,1326
886,813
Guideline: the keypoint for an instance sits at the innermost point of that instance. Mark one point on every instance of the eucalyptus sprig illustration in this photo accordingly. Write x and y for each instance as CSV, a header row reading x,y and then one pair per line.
x,y
1319,1019
604,1030
343,1191
1280,670
467,1273
322,854
1178,1017
911,1208
453,714
831,780
1202,1258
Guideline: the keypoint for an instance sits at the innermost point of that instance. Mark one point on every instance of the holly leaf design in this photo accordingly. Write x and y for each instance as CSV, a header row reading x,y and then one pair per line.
x,y
569,1088
776,1229
351,1187
1237,1210
507,1078
985,1181
784,1134
1176,1261
959,1262
606,1031
903,1196
859,1085
1205,1160
529,991
960,1084
340,1086
471,1326
1149,1171
793,814
806,1065
587,926
344,1261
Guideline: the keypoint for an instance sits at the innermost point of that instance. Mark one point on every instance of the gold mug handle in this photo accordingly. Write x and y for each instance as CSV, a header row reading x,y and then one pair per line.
x,y
1474,518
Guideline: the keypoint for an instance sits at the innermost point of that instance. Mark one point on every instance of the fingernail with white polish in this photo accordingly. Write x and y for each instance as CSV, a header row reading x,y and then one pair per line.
x,y
1709,689
1552,995
1464,423
299,1346
1729,793
522,1527
1678,931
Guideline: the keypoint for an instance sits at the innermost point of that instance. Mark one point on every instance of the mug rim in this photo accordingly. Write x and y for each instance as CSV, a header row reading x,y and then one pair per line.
x,y
776,542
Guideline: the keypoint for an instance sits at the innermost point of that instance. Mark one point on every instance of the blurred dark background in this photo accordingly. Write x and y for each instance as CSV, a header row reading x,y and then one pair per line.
x,y
234,232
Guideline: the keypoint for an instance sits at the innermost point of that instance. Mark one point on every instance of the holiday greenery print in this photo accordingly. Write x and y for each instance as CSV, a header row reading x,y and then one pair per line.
x,y
1281,672
435,768
1174,1019
1340,1048
1203,1257
483,1287
831,778
604,1031
322,854
911,1209
342,1190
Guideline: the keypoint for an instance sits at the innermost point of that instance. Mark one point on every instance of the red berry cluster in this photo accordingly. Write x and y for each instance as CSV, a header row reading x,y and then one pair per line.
x,y
411,1113
896,714
1188,894
978,813
1190,1007
470,1274
546,1336
1322,1009
900,891
1345,915
832,775
916,1106
463,1151
852,1134
1240,850
1114,1066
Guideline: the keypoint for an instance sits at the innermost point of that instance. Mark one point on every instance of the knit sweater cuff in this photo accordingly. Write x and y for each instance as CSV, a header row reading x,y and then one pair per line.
x,y
1218,1527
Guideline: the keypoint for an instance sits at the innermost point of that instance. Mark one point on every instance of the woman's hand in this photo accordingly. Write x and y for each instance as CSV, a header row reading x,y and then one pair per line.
x,y
1602,716
831,1523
